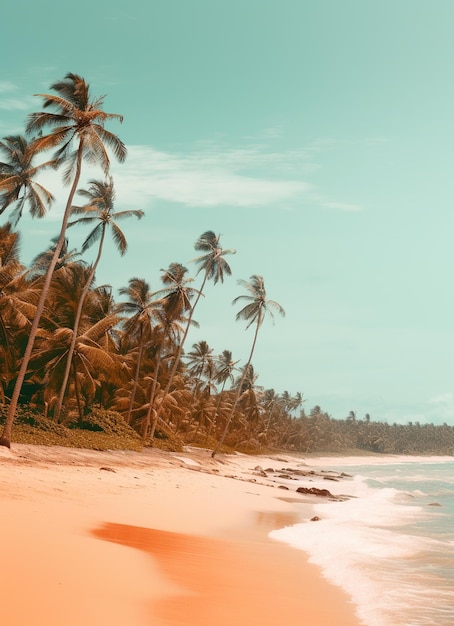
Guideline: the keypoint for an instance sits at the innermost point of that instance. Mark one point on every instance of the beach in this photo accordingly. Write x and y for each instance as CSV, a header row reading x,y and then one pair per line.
x,y
155,538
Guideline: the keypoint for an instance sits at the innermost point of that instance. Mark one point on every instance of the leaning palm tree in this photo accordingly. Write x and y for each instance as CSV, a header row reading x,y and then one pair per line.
x,y
18,184
215,267
140,309
77,130
225,367
98,210
253,313
166,334
212,263
176,302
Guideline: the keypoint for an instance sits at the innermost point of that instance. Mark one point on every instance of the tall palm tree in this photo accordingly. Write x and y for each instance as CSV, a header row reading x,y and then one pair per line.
x,y
253,313
225,366
77,130
215,267
176,301
18,185
166,334
212,263
98,210
140,308
47,362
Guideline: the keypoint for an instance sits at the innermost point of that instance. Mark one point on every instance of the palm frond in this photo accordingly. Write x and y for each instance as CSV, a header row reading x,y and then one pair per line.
x,y
93,237
119,238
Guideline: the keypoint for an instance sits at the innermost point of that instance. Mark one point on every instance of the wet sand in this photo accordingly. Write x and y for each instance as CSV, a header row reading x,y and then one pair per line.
x,y
139,539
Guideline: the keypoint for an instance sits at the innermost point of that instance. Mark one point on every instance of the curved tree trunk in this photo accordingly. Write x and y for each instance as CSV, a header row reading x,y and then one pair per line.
x,y
136,378
5,439
216,411
69,358
151,401
77,394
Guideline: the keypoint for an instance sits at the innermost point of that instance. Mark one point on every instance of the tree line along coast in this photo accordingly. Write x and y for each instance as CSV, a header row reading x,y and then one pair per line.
x,y
72,358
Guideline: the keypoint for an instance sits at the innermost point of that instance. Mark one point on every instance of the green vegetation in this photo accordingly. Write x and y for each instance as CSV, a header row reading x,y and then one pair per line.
x,y
318,432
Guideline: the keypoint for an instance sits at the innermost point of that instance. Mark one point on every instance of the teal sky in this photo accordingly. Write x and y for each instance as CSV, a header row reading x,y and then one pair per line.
x,y
316,137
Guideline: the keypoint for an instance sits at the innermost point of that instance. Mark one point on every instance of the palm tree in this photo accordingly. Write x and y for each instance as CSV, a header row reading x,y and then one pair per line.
x,y
253,313
212,263
176,301
17,298
166,334
77,126
100,209
248,411
225,368
18,186
47,365
214,266
176,295
91,360
40,264
199,363
201,370
224,372
141,307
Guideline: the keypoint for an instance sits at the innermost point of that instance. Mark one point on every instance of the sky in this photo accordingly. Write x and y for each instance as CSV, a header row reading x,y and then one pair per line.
x,y
315,137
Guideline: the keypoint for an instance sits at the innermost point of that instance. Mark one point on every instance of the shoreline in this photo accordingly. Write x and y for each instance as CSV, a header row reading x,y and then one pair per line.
x,y
199,532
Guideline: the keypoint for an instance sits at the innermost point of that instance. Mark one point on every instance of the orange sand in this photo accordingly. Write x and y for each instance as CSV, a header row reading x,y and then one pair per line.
x,y
199,528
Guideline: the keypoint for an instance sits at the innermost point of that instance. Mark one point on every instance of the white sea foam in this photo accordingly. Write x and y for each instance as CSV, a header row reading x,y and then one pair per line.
x,y
378,547
385,459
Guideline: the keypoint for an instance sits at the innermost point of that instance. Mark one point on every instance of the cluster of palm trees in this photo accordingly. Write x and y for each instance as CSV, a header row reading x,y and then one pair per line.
x,y
318,432
66,345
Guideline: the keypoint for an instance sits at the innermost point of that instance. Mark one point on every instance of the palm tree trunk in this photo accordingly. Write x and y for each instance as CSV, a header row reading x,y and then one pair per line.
x,y
136,378
69,358
216,411
5,439
151,401
179,351
238,393
77,393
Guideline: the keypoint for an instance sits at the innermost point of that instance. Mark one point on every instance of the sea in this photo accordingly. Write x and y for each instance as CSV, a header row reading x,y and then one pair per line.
x,y
390,545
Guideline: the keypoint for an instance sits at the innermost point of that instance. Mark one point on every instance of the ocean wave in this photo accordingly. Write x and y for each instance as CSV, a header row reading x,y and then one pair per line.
x,y
386,547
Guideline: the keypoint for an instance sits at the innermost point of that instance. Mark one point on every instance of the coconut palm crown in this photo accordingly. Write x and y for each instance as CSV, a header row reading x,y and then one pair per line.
x,y
76,117
212,263
254,312
18,184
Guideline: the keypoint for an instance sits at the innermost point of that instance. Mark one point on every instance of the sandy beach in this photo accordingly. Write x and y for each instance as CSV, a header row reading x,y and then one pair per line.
x,y
154,538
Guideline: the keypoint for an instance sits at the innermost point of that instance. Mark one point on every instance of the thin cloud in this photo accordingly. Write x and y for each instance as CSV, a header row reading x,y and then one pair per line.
x,y
9,101
14,104
7,87
335,205
213,175
210,177
443,399
341,206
